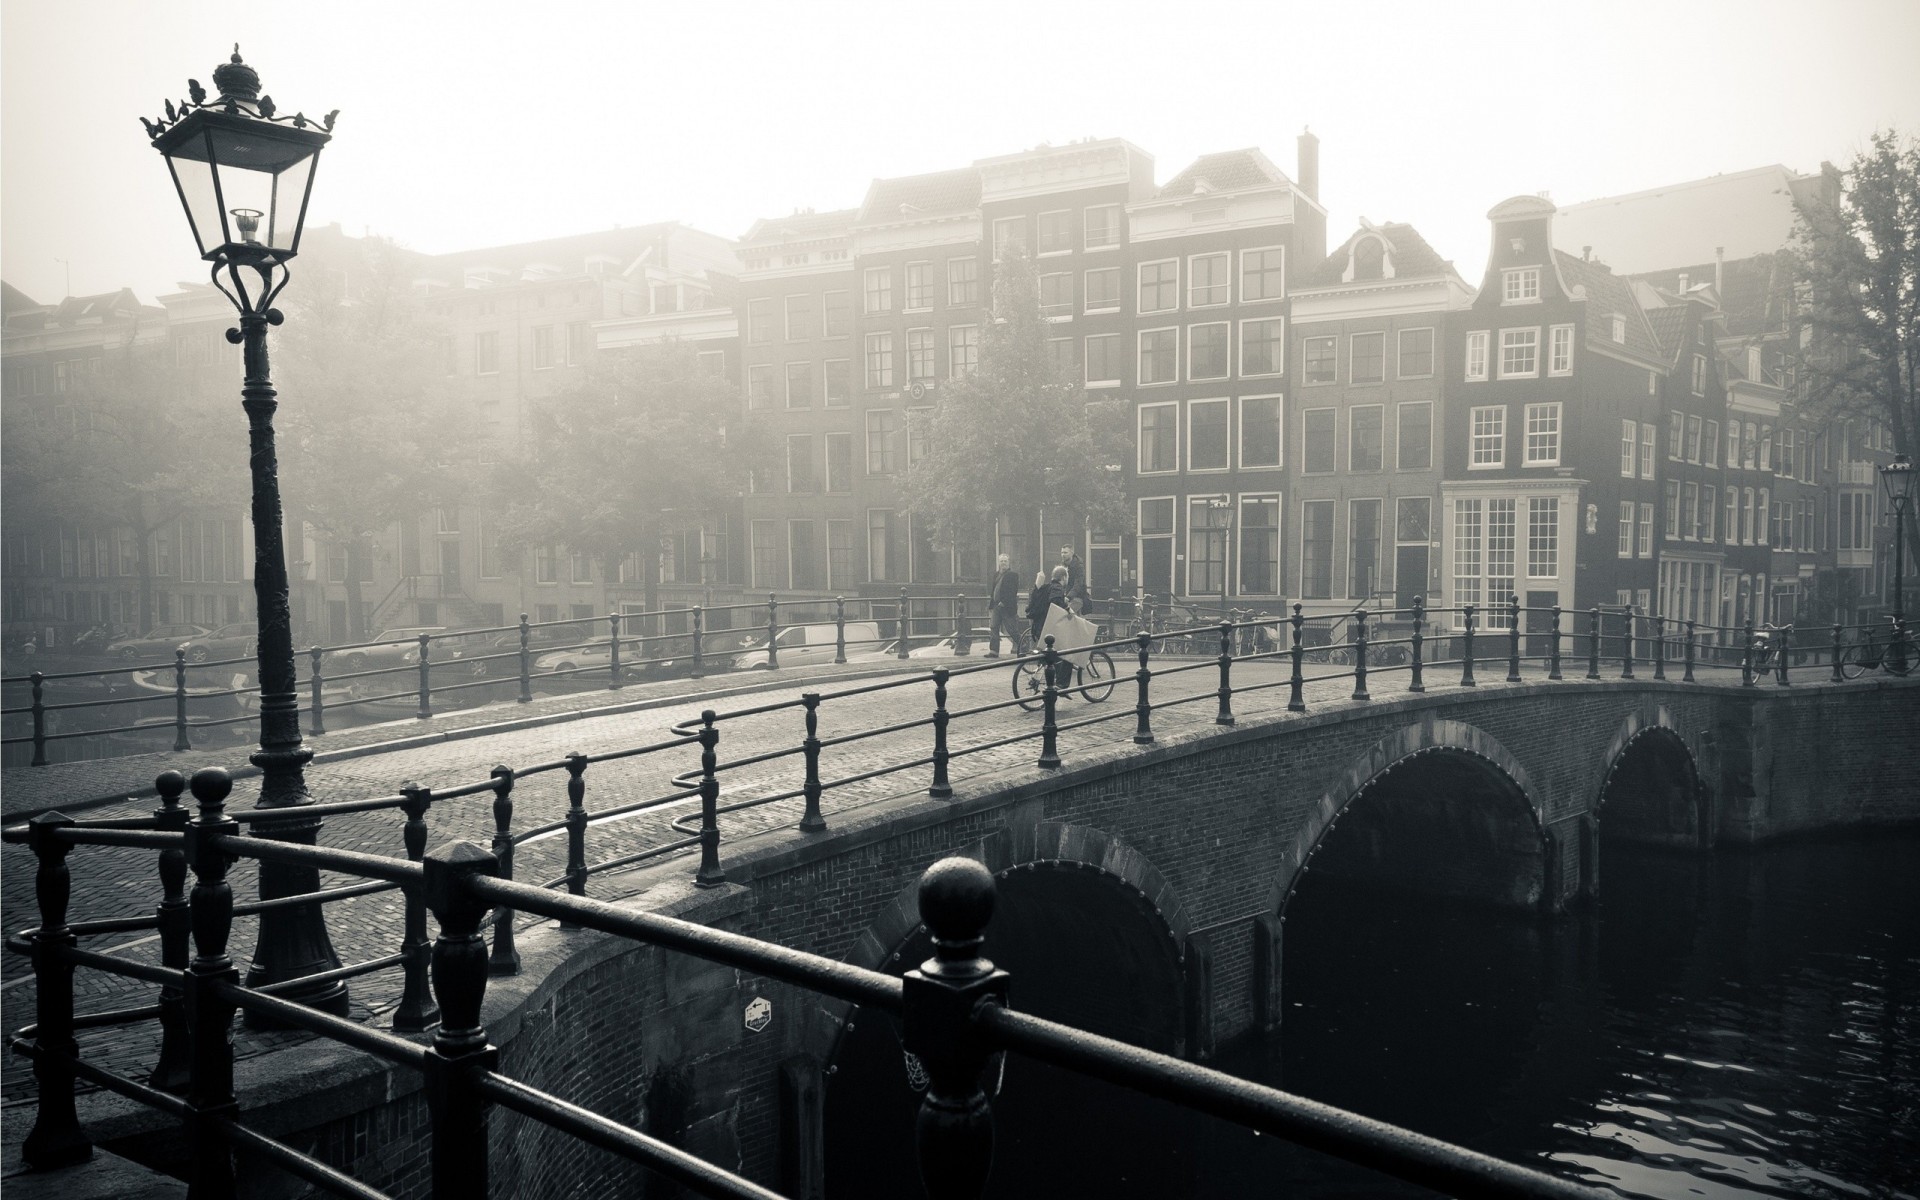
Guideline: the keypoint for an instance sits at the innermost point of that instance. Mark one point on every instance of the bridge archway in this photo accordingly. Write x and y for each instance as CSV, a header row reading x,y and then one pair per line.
x,y
1651,792
1093,936
1439,807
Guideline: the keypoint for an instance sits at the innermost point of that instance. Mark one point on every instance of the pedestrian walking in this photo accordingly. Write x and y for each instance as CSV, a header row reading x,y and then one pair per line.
x,y
1003,600
1075,589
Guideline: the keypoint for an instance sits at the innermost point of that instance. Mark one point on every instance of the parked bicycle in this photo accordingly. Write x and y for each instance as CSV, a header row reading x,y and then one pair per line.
x,y
1897,655
1093,682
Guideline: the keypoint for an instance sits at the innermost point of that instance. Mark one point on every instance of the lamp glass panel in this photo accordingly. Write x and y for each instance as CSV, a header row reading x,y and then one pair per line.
x,y
194,176
289,199
250,157
1897,477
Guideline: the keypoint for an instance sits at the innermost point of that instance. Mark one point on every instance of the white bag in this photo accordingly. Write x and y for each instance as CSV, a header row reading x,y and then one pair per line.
x,y
1071,635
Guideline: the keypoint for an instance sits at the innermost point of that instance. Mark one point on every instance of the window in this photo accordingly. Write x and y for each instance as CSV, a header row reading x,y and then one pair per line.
x,y
1259,431
1159,286
486,353
759,321
1207,520
1056,232
839,555
803,556
1207,436
1208,280
1519,353
1676,435
1483,552
963,349
760,386
1103,360
1476,356
879,360
920,355
1416,354
1159,356
799,463
1366,437
1317,353
1263,274
919,285
1103,290
712,363
542,347
1690,512
799,385
799,318
917,419
1766,447
1156,518
1760,520
1543,537
839,462
839,382
582,565
1319,432
882,427
1543,435
1520,286
1710,444
1208,353
1056,294
1646,531
1262,347
836,314
764,536
1414,438
1673,509
1101,226
1733,445
545,569
1159,438
1629,447
1732,533
1626,529
1699,374
1363,548
886,545
1619,329
1009,231
1259,549
1560,350
1316,549
1646,450
879,285
1709,509
1367,358
963,281
1693,439
1487,437
1064,353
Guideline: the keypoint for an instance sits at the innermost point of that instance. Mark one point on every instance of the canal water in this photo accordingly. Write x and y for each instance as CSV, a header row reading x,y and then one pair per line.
x,y
1741,1024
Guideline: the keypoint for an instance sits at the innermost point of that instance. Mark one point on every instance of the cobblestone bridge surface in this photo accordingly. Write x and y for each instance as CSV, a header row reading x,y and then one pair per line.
x,y
111,882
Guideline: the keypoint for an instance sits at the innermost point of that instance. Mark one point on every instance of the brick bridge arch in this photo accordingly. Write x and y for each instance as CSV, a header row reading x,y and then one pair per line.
x,y
1655,787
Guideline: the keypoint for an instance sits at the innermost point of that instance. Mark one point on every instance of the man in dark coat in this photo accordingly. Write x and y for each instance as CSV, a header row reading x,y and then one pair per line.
x,y
1003,607
1076,594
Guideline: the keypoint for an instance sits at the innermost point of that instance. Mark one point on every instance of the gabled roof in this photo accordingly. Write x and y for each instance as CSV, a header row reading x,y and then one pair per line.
x,y
1413,257
1754,292
915,197
102,306
1608,293
801,226
1669,327
1743,214
13,300
1226,171
621,245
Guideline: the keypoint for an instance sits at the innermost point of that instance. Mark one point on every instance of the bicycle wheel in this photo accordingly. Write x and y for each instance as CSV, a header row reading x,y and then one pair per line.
x,y
1904,662
1030,684
1097,682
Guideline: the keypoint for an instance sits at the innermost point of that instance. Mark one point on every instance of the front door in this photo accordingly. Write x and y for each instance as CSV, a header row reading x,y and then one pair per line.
x,y
1539,622
449,566
1409,574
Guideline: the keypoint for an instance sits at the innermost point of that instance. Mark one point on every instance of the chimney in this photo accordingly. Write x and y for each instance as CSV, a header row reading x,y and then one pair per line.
x,y
1586,254
1719,267
1683,283
1309,163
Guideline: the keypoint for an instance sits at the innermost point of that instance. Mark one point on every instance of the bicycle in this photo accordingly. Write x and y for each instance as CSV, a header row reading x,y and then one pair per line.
x,y
1093,683
1861,657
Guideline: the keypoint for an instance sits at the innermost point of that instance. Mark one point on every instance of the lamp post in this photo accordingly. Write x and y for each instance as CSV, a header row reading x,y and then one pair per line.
x,y
243,173
1223,504
1897,478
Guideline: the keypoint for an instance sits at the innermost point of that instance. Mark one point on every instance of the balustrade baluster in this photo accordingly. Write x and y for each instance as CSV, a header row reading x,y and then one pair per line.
x,y
39,681
417,1010
1360,655
56,1139
175,922
1225,715
426,684
180,740
460,1055
1687,677
614,679
1466,658
317,725
576,828
812,821
1050,699
1143,708
773,632
1593,643
699,641
1626,645
941,788
839,630
1553,645
906,627
209,1015
1418,638
1783,652
1746,657
1513,638
505,959
1837,676
1296,697
1659,647
526,661
710,874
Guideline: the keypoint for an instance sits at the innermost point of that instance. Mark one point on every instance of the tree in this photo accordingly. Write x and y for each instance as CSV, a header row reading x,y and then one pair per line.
x,y
1013,438
1860,263
369,430
642,434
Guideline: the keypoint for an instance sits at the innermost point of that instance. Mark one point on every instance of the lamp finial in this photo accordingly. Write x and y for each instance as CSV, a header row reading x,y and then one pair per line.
x,y
236,80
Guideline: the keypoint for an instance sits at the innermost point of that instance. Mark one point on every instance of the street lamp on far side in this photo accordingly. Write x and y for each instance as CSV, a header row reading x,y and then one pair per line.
x,y
1897,478
243,173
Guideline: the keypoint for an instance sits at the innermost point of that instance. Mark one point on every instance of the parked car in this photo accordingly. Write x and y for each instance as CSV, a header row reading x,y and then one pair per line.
x,y
944,648
598,658
159,644
396,648
238,640
802,645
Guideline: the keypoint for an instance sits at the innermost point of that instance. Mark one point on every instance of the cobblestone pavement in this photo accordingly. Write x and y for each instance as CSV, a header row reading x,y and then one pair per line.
x,y
110,882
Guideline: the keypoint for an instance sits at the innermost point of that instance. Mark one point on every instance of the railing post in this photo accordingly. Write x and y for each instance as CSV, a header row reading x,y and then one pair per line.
x,y
811,821
1466,657
1687,677
906,627
941,788
1049,704
426,680
505,959
1513,637
1360,655
318,724
1626,644
1593,643
962,631
460,1054
56,1139
839,630
180,741
1837,676
1143,708
175,922
711,873
1659,647
773,632
954,1131
209,1015
699,640
1225,715
1418,638
1296,698
1746,656
40,719
417,1010
1553,645
1782,652
526,661
613,653
576,828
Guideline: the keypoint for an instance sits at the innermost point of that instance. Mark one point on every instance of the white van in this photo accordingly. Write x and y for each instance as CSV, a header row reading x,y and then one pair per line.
x,y
804,645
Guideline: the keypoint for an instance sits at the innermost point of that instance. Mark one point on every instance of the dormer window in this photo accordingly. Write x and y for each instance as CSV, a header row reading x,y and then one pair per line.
x,y
1753,364
1619,329
1369,259
1520,286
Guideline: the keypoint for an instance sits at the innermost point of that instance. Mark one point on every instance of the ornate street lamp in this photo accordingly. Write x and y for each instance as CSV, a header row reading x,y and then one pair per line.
x,y
1897,478
243,173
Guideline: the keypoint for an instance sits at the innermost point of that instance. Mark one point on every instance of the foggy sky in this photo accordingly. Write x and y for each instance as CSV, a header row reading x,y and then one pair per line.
x,y
478,123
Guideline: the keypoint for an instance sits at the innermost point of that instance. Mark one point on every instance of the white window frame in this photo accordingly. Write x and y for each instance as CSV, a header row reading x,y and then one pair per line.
x,y
866,370
1534,330
1559,339
1087,357
906,286
1479,341
953,371
1242,275
1056,311
1086,293
1433,351
1140,441
787,466
1646,530
1139,269
1326,337
867,289
1240,503
1473,436
1619,329
1334,458
1699,377
1520,285
998,222
1670,497
1226,287
1228,374
1649,440
1280,368
1052,212
786,384
1399,425
826,399
1172,537
1354,381
1625,547
1280,434
1086,225
1693,437
1543,409
1187,435
1381,542
1553,548
950,281
1629,448
1139,342
1354,411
